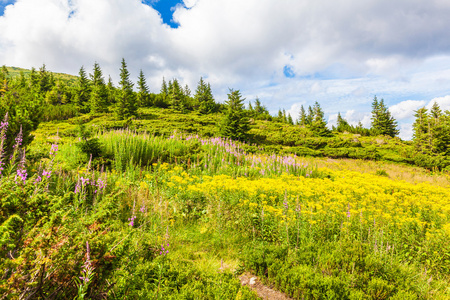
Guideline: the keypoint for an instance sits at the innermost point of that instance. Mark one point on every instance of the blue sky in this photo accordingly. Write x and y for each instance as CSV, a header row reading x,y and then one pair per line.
x,y
3,4
340,53
166,8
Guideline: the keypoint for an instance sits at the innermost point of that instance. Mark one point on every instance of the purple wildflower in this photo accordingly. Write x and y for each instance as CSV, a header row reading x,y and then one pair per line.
x,y
131,221
18,143
46,173
21,171
53,150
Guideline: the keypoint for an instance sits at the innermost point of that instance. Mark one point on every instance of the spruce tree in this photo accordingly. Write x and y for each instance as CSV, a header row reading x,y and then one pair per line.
x,y
235,124
440,137
126,100
34,79
318,124
421,131
382,121
143,95
342,124
309,116
82,91
111,90
204,98
176,97
302,117
99,93
289,119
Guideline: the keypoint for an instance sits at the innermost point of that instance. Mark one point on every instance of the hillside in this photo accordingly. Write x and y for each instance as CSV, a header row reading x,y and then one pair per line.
x,y
159,204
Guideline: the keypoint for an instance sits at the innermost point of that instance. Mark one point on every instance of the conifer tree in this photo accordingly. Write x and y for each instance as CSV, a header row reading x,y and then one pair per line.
x,y
280,116
82,91
164,90
204,98
235,124
421,131
45,83
111,90
309,116
143,95
440,135
34,79
4,74
126,100
99,93
176,97
318,124
382,121
302,117
342,124
289,119
259,109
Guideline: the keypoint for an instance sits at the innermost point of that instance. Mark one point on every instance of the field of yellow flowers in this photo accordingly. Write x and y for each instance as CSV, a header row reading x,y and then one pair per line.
x,y
364,231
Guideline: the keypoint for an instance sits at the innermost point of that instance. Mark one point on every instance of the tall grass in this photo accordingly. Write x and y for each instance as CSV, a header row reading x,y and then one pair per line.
x,y
207,155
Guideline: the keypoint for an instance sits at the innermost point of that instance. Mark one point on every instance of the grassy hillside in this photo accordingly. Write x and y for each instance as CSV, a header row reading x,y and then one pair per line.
x,y
14,72
158,206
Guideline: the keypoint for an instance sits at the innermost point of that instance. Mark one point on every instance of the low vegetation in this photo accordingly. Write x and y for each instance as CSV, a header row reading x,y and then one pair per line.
x,y
160,204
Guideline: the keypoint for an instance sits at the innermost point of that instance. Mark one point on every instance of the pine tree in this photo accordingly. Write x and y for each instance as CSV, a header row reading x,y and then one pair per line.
x,y
126,100
176,97
302,117
309,116
111,90
289,119
82,91
421,131
4,74
164,90
45,83
34,79
235,124
318,124
382,121
342,124
280,116
143,95
204,98
440,137
99,93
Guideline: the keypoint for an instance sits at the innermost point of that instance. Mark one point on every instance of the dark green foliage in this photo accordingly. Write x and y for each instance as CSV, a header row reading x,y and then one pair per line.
x,y
203,96
126,99
82,92
302,120
382,121
318,124
24,111
143,96
259,111
176,97
235,123
46,80
99,92
88,144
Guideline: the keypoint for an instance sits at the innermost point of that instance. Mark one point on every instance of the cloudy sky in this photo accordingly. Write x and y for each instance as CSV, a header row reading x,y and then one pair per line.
x,y
288,53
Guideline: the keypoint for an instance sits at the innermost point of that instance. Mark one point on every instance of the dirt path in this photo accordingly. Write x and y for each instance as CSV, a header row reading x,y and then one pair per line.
x,y
263,291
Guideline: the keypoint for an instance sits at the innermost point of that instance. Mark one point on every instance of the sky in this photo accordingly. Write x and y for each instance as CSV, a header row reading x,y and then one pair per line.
x,y
288,53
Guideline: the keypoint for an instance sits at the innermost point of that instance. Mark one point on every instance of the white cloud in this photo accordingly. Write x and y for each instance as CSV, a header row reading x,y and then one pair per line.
x,y
405,109
443,102
343,52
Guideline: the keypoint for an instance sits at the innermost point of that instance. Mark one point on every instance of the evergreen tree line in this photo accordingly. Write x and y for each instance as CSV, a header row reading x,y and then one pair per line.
x,y
92,94
431,131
